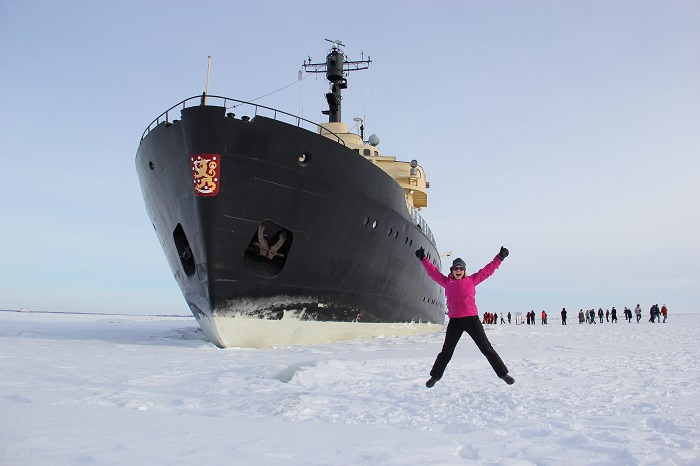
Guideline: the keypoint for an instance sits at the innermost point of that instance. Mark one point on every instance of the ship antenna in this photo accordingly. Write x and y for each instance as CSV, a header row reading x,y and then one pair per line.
x,y
206,88
336,43
336,67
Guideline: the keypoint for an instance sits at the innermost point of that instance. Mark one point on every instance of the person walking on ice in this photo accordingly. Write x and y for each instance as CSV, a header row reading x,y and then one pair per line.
x,y
460,290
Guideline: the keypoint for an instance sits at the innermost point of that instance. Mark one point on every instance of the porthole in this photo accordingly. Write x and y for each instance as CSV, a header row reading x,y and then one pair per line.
x,y
411,243
151,166
304,158
396,234
366,220
390,232
374,225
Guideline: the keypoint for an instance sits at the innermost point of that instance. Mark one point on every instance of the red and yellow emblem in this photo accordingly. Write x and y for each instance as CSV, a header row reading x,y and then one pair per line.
x,y
206,169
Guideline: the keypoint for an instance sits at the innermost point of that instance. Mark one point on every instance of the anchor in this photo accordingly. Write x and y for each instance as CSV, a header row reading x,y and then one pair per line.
x,y
263,247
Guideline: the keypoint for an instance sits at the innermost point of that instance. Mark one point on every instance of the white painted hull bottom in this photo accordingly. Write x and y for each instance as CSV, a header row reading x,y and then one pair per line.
x,y
245,332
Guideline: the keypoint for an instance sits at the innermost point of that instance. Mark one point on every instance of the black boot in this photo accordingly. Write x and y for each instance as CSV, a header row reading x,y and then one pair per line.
x,y
431,382
508,379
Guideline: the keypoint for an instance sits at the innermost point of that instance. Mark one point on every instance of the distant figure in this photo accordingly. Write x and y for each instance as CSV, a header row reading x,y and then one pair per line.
x,y
460,290
613,315
544,318
600,314
563,316
502,320
532,317
607,315
638,312
664,312
508,317
658,312
528,318
592,317
628,314
581,318
652,312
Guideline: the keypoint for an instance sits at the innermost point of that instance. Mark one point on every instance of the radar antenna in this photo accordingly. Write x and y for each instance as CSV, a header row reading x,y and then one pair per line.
x,y
336,43
336,68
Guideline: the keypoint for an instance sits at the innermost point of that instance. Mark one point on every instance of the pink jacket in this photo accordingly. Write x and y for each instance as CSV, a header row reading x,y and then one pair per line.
x,y
461,294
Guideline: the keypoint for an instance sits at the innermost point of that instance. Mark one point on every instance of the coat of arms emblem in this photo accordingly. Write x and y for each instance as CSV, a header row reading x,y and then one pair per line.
x,y
205,174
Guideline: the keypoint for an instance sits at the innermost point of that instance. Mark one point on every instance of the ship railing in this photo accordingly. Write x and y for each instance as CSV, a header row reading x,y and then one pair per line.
x,y
420,223
229,103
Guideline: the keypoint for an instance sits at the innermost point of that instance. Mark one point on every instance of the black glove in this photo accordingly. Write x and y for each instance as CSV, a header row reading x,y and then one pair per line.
x,y
503,254
420,253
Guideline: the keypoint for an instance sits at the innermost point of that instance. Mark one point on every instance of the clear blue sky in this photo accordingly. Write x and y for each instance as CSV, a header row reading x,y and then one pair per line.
x,y
567,131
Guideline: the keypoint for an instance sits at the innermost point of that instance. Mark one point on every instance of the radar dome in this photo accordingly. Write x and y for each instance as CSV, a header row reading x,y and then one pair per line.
x,y
374,140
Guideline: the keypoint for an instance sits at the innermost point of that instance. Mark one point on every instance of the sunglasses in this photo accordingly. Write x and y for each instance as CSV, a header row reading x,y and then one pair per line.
x,y
459,267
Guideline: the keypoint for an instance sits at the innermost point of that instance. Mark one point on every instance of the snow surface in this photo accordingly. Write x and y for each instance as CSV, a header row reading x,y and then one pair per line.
x,y
134,390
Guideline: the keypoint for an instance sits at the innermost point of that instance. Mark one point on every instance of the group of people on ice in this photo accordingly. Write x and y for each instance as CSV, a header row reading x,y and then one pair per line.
x,y
493,318
530,317
655,313
584,317
589,316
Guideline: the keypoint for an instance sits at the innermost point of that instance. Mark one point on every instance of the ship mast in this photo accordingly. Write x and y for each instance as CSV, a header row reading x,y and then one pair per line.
x,y
335,68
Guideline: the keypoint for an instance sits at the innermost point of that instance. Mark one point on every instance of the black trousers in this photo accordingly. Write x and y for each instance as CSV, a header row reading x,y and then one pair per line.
x,y
455,329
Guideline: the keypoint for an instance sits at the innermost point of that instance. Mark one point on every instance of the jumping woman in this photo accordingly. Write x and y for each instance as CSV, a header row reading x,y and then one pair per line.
x,y
460,290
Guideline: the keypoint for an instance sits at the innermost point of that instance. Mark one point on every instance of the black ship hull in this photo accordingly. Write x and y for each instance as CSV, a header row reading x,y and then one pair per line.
x,y
299,231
